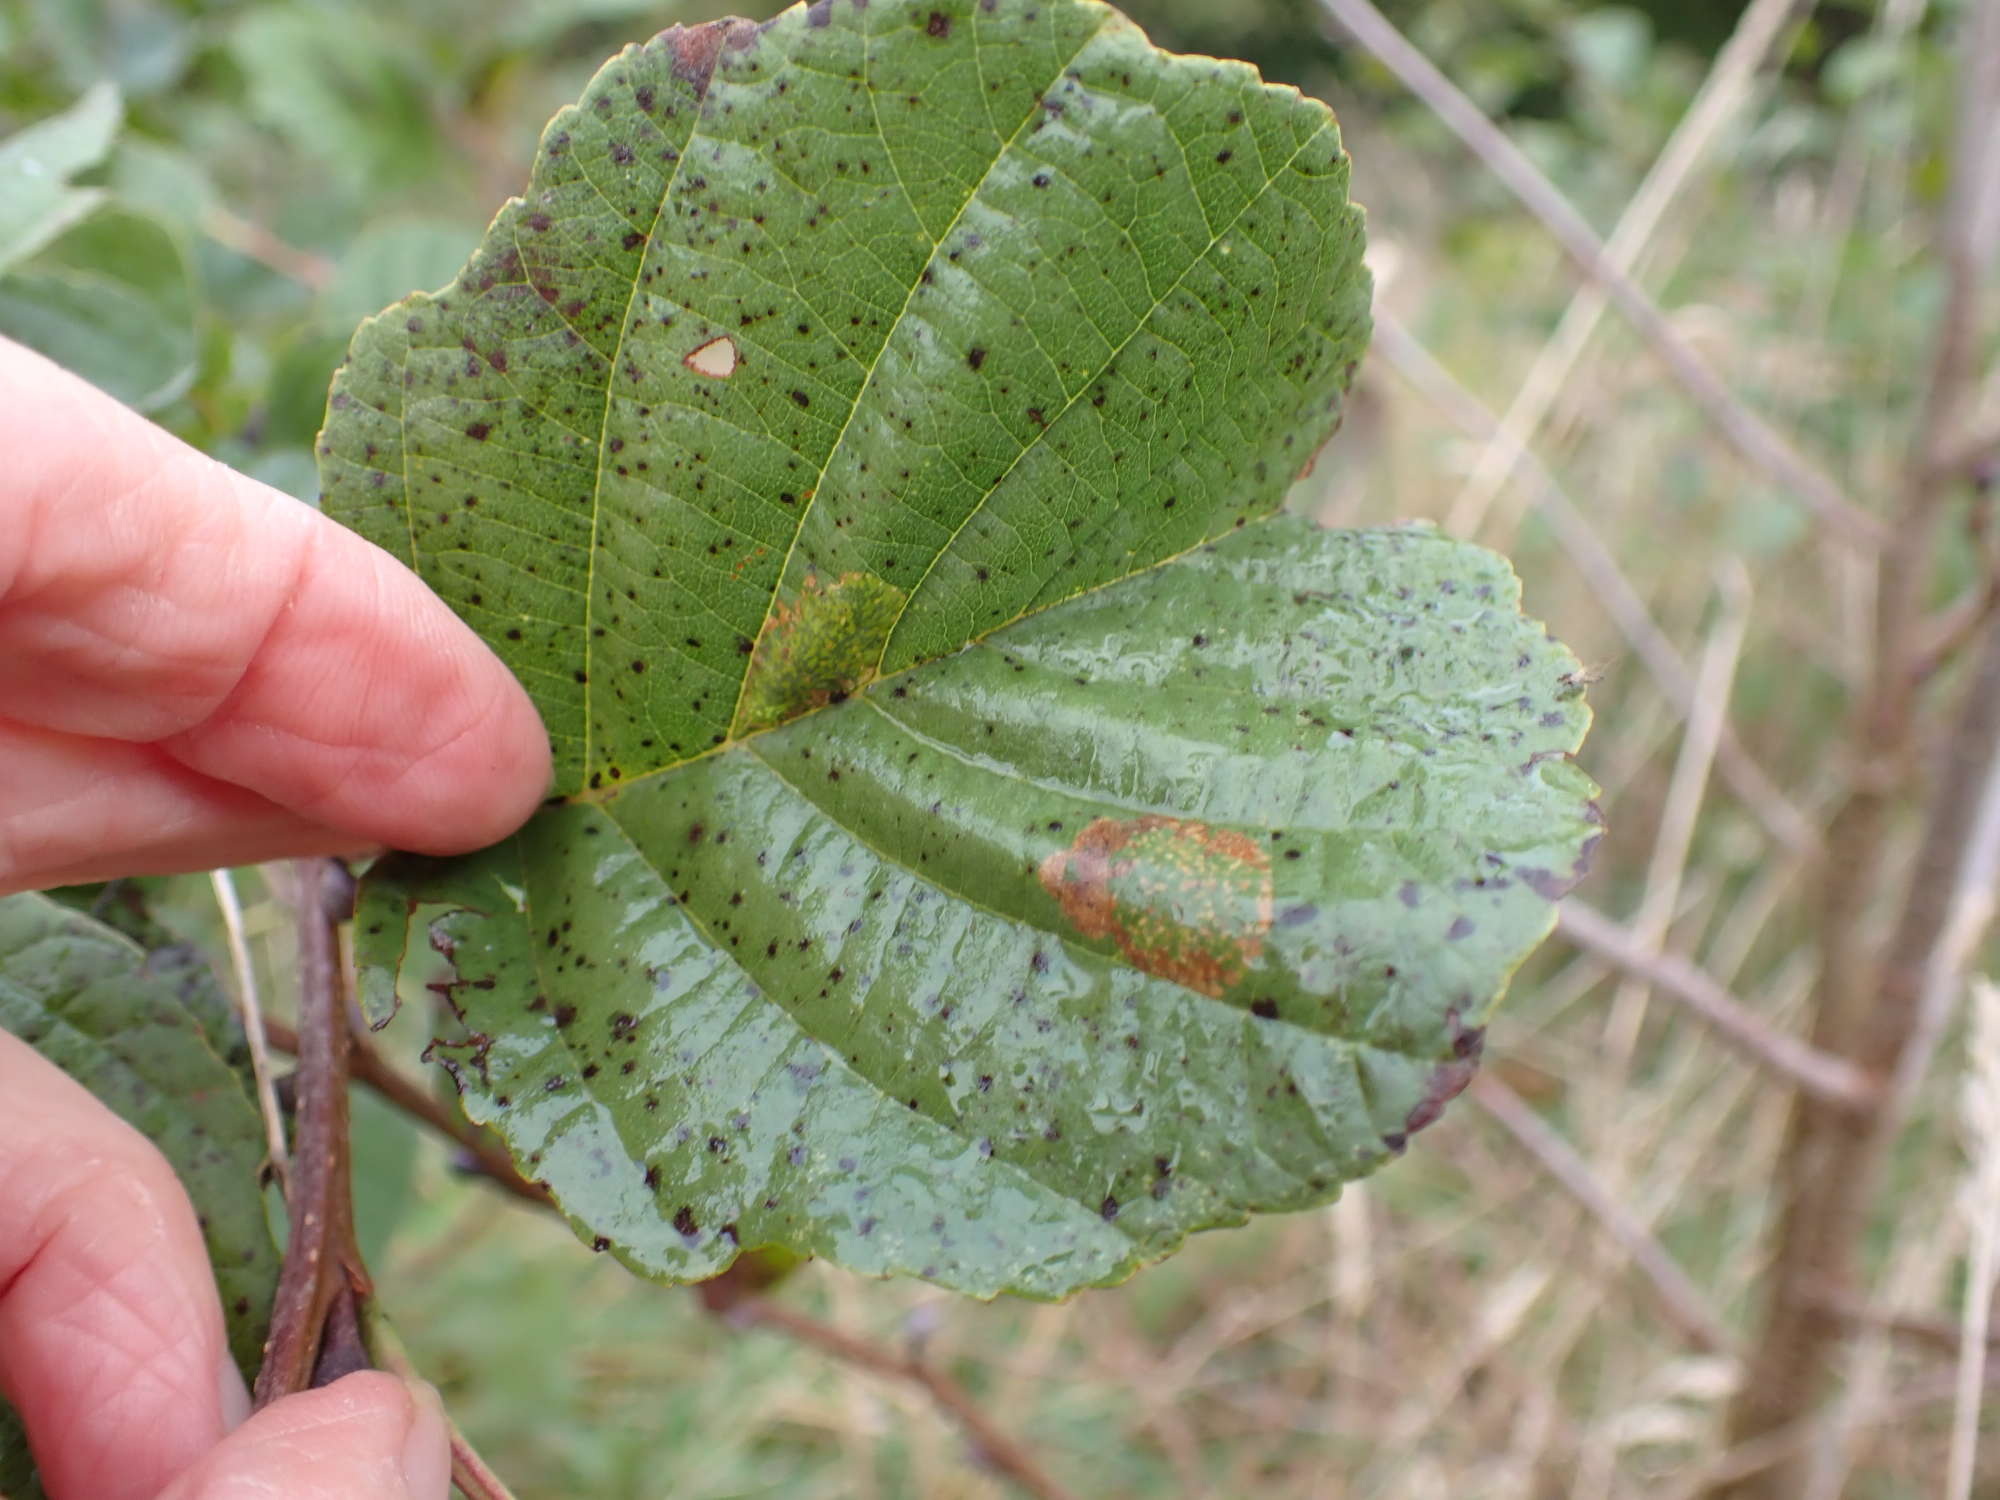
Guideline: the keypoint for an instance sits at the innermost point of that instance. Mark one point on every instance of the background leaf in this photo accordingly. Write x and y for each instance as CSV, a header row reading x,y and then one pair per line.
x,y
111,299
135,1029
37,201
336,84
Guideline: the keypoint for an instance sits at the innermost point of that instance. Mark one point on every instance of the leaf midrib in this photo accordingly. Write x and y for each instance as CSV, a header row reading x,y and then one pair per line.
x,y
604,428
916,282
1041,436
834,1056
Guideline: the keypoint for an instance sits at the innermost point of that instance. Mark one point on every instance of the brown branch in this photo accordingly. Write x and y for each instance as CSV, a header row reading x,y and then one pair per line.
x,y
1948,632
482,1153
993,1448
322,1286
1876,1004
1743,429
1941,1335
1824,1075
1974,459
253,241
1679,1298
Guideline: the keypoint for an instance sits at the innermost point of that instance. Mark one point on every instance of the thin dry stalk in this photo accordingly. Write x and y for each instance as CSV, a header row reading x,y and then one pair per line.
x,y
994,1448
1825,1076
1594,562
1916,1330
481,1152
1678,1297
1913,1276
253,241
1717,104
1748,433
1687,790
1756,1458
1979,1119
470,1473
251,1012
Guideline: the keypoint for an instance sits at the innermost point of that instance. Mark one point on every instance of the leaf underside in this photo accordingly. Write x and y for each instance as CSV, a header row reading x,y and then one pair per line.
x,y
989,841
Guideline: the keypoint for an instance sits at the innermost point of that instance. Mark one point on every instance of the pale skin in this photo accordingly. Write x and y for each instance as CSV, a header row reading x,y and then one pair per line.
x,y
198,671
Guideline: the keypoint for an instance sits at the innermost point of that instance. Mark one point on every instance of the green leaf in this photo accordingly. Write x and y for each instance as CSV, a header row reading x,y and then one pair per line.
x,y
165,181
337,86
142,45
990,841
111,299
18,1480
37,202
141,907
129,1027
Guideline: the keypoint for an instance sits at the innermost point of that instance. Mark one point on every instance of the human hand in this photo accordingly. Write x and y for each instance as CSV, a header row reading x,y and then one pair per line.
x,y
111,1333
196,670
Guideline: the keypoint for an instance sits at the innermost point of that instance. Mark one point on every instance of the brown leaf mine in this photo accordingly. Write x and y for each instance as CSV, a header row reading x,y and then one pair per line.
x,y
1182,900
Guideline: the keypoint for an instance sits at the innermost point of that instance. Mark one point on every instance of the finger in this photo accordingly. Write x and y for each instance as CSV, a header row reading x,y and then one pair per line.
x,y
111,1335
75,810
366,1437
151,595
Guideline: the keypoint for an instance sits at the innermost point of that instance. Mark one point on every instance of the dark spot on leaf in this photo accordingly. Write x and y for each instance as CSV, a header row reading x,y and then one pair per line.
x,y
1446,1082
695,48
940,24
478,431
975,356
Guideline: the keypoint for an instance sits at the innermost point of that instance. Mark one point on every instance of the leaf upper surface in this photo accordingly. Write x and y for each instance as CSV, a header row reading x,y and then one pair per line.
x,y
990,842
1013,305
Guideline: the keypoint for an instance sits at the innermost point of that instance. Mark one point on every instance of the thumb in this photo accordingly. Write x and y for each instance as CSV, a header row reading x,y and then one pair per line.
x,y
368,1436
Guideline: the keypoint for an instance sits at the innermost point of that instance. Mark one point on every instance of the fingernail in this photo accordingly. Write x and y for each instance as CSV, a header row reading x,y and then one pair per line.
x,y
235,1394
427,1448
